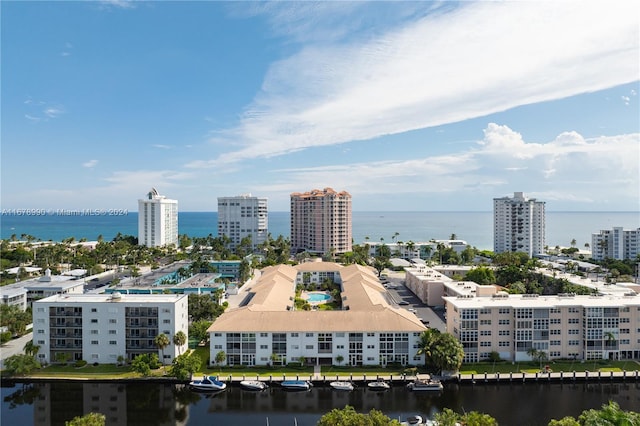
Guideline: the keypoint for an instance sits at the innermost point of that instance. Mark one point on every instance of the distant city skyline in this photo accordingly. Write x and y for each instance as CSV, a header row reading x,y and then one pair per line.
x,y
408,106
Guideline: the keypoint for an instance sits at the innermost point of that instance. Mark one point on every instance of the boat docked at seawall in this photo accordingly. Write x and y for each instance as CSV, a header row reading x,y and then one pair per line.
x,y
296,384
417,421
207,383
424,382
340,385
256,385
378,385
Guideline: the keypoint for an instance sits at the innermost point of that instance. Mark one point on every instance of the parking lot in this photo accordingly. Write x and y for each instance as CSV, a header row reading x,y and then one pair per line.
x,y
431,317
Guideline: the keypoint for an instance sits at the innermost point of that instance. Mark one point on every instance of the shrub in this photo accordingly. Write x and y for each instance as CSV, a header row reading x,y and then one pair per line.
x,y
80,363
5,337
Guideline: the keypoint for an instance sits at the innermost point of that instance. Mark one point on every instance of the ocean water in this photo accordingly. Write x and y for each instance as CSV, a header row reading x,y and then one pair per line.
x,y
474,227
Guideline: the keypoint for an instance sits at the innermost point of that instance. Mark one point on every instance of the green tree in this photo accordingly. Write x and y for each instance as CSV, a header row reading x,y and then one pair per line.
x,y
179,339
31,348
198,330
565,421
481,275
339,359
448,354
348,416
442,351
448,417
21,364
140,364
220,357
161,341
185,365
91,419
609,414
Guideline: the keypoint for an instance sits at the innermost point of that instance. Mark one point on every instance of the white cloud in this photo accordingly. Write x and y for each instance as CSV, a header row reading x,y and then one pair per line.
x,y
473,60
122,4
161,146
90,164
570,166
53,112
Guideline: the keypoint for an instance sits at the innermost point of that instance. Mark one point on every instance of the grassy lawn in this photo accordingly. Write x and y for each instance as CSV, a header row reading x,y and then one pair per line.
x,y
101,371
555,366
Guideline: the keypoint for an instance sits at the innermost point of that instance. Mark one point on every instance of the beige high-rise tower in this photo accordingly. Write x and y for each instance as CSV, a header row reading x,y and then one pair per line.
x,y
321,221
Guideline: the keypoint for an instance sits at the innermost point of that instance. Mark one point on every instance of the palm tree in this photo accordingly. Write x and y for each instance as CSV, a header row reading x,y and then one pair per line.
x,y
31,348
427,345
179,339
532,352
162,341
339,359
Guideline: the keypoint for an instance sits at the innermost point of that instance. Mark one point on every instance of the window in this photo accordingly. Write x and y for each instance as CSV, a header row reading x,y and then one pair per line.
x,y
112,332
40,331
574,331
504,332
264,334
485,322
294,334
94,309
309,334
574,321
112,321
94,342
166,321
94,331
485,332
485,344
94,320
504,311
264,346
41,342
503,322
113,342
309,347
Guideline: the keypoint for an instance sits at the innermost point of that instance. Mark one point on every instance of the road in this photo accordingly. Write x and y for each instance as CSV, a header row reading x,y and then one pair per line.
x,y
13,347
433,317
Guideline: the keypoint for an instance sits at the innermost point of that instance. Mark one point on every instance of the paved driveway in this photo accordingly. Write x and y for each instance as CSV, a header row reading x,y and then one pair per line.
x,y
13,347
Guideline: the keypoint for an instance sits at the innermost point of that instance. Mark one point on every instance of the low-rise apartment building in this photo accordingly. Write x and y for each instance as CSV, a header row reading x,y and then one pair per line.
x,y
369,329
102,327
565,326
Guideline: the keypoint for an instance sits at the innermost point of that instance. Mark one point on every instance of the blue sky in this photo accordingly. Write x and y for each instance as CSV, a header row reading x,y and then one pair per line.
x,y
435,106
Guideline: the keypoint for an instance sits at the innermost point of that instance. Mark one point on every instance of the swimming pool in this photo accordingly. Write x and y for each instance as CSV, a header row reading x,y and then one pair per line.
x,y
318,297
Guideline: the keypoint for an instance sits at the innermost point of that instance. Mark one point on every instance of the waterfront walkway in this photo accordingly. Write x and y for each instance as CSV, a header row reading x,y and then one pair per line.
x,y
474,378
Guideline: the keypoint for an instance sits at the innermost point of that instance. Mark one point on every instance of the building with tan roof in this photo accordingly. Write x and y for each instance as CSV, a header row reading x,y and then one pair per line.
x,y
370,329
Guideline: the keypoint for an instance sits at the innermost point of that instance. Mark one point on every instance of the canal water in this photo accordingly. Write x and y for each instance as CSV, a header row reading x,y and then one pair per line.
x,y
512,404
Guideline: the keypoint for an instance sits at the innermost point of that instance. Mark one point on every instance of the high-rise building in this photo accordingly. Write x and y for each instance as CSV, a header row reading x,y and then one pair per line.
x,y
157,220
243,216
321,221
518,225
616,243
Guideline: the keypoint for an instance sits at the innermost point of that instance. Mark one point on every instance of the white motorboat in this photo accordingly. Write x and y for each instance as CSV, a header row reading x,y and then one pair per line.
x,y
378,385
207,383
417,420
254,385
341,385
424,382
296,384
